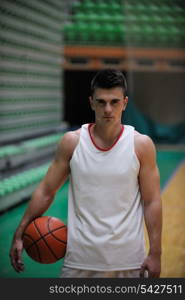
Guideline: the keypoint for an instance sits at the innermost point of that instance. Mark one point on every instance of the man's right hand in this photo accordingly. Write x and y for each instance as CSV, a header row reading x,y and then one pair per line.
x,y
16,254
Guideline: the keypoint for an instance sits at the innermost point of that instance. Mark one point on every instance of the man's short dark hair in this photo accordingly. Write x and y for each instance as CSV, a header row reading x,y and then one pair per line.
x,y
107,79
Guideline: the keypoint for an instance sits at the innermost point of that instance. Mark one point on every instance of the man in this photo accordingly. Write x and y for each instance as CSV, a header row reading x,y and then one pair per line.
x,y
114,182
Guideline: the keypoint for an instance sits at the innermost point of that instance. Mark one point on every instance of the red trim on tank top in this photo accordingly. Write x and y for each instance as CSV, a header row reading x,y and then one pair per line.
x,y
104,149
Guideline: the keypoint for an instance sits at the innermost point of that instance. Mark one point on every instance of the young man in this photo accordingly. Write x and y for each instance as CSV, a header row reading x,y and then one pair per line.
x,y
114,183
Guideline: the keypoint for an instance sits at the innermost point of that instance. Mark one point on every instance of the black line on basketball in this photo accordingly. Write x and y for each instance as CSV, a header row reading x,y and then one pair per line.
x,y
26,234
34,243
45,241
51,232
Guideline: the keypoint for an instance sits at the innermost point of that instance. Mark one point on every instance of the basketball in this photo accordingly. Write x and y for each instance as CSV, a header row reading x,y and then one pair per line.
x,y
45,239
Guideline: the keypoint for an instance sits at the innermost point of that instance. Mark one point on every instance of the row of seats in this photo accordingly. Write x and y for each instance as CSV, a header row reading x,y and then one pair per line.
x,y
27,113
130,17
27,126
83,32
152,8
22,148
92,6
112,7
94,31
6,151
22,180
43,141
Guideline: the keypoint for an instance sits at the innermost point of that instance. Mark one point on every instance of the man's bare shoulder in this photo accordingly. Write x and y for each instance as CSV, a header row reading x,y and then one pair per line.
x,y
68,143
71,136
144,146
142,139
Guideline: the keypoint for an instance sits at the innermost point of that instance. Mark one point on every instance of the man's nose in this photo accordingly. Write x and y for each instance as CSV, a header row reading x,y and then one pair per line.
x,y
108,108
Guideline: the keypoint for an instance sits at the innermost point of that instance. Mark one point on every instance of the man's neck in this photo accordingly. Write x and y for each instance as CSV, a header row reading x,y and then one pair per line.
x,y
107,132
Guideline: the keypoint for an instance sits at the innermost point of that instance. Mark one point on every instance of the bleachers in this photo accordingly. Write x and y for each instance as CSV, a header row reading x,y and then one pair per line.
x,y
17,187
22,166
136,23
12,156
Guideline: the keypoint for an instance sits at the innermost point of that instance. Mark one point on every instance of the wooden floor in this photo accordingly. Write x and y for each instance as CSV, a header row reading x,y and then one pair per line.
x,y
173,234
173,241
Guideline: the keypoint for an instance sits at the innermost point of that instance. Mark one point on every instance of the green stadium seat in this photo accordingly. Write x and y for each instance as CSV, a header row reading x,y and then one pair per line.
x,y
92,18
134,28
118,18
140,8
180,20
168,20
95,32
22,180
161,35
69,32
108,33
153,9
175,35
128,8
102,7
131,18
115,8
120,2
143,18
119,31
166,9
89,6
178,10
79,17
147,35
104,18
155,19
76,6
82,32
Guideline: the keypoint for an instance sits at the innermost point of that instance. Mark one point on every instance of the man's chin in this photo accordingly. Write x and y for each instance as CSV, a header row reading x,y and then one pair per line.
x,y
108,118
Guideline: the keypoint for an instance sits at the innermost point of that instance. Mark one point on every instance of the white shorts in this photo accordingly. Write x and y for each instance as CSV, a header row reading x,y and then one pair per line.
x,y
78,273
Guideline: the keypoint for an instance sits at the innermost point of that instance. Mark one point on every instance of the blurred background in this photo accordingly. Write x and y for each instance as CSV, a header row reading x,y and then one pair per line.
x,y
50,50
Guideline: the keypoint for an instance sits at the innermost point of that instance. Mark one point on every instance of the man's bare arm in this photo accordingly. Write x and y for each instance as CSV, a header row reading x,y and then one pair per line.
x,y
149,181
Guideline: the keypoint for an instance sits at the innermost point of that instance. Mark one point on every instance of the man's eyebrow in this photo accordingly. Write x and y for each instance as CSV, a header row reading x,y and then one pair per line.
x,y
100,99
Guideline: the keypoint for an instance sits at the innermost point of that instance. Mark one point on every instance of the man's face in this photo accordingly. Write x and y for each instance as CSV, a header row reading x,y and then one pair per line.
x,y
108,104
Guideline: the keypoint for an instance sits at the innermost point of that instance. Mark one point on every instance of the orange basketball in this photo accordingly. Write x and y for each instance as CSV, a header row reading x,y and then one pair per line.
x,y
45,239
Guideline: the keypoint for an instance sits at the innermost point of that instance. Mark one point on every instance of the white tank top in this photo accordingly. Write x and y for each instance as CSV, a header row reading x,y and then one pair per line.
x,y
105,213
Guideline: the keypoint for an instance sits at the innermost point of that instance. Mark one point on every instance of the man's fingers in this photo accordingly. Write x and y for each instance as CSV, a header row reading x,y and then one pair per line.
x,y
16,260
144,272
14,264
19,260
18,266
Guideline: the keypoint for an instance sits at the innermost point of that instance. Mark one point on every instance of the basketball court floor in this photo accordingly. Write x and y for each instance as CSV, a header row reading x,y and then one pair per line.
x,y
172,171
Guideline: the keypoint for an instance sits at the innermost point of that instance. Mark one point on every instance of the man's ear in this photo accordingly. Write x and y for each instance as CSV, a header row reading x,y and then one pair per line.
x,y
91,102
125,103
